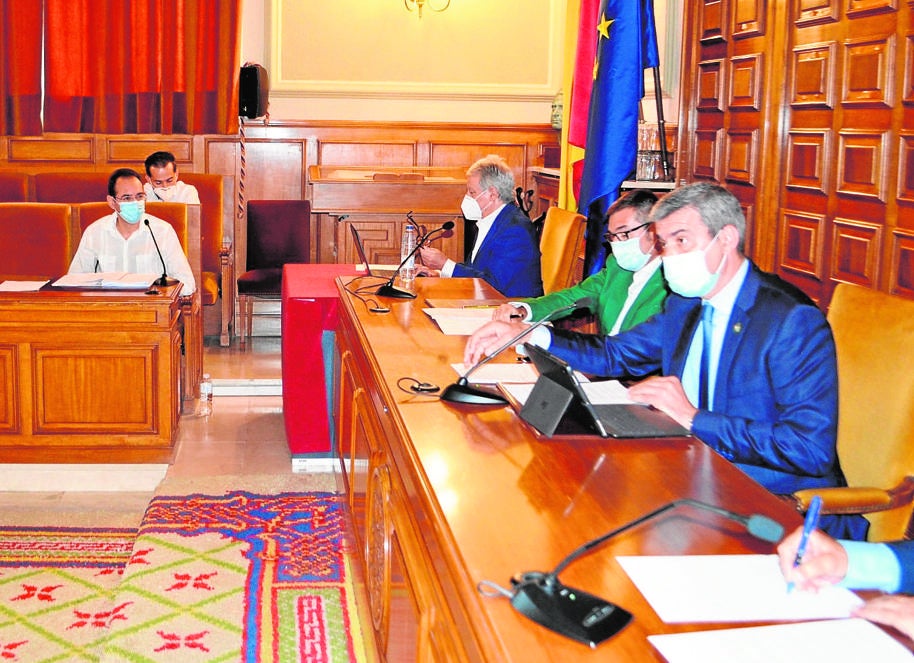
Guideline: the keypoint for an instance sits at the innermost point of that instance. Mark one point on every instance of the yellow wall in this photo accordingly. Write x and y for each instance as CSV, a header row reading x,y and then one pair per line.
x,y
479,61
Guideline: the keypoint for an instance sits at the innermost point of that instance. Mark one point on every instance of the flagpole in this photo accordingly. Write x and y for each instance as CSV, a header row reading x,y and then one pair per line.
x,y
661,126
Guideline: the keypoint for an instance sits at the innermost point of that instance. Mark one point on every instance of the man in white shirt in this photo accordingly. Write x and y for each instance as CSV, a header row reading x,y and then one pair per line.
x,y
123,241
162,183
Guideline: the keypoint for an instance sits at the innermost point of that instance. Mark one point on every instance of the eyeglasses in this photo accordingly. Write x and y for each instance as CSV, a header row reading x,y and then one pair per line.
x,y
624,235
130,199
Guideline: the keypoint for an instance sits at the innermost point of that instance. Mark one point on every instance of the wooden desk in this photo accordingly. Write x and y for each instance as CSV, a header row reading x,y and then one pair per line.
x,y
445,496
89,376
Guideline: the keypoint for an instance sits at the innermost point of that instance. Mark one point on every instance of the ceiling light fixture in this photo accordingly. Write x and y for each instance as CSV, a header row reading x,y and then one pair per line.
x,y
419,4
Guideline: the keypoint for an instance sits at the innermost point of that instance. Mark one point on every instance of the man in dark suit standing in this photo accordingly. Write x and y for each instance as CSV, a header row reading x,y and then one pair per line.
x,y
746,360
505,251
856,565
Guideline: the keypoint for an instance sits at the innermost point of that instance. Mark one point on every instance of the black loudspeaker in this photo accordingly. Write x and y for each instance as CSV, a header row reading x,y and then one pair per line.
x,y
253,91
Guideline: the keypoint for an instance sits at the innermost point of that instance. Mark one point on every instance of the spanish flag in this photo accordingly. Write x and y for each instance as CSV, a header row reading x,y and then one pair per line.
x,y
618,39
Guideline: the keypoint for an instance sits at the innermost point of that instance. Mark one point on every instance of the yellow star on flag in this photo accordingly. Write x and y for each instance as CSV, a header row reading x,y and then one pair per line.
x,y
603,28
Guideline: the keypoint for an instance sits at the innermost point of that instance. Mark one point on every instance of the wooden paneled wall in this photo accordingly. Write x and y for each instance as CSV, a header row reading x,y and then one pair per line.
x,y
805,110
271,161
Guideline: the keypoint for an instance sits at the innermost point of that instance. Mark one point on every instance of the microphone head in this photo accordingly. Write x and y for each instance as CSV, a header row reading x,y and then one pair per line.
x,y
447,225
764,528
146,220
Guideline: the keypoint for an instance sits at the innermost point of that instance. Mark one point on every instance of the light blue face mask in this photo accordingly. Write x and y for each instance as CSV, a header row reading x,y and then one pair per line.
x,y
132,211
629,255
687,274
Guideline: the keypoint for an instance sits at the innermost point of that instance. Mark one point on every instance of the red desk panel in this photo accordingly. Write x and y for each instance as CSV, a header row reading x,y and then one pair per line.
x,y
309,308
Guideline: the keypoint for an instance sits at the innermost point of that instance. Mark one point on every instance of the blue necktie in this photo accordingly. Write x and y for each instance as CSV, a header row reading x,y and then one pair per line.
x,y
704,377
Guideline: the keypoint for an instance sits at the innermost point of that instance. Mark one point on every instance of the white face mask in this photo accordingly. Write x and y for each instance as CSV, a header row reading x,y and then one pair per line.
x,y
165,193
470,208
687,273
629,255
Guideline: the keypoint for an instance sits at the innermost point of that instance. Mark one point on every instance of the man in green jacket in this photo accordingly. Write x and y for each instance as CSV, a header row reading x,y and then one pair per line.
x,y
628,290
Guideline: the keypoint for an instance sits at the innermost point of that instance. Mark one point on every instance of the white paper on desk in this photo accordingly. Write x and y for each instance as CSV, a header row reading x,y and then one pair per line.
x,y
124,280
729,588
459,321
835,641
500,372
606,392
22,286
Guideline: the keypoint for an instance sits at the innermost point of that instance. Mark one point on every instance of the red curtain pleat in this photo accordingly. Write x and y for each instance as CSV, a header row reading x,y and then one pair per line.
x,y
20,73
147,66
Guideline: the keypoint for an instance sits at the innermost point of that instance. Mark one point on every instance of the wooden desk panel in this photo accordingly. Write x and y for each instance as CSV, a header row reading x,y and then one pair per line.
x,y
378,207
445,496
89,376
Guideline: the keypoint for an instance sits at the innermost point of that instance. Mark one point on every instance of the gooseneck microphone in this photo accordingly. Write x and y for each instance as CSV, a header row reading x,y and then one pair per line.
x,y
462,392
388,289
163,280
587,618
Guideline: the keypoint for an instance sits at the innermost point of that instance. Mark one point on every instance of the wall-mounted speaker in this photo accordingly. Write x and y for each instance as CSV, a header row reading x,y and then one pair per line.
x,y
253,91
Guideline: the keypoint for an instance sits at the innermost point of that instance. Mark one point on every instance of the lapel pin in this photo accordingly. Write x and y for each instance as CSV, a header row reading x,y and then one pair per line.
x,y
737,327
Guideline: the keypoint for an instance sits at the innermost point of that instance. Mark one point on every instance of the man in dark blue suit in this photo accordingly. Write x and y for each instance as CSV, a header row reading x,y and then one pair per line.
x,y
764,393
856,565
505,251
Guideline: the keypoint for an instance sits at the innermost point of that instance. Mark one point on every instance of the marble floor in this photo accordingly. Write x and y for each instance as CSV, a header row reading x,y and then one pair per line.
x,y
243,436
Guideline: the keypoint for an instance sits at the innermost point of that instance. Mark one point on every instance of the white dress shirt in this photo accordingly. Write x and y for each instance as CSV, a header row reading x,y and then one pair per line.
x,y
103,249
183,193
722,303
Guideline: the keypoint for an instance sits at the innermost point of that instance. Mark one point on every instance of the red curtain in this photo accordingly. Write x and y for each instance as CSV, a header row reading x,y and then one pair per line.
x,y
145,66
20,73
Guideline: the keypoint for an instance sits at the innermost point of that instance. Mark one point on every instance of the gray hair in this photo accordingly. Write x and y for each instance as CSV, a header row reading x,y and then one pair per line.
x,y
493,171
716,206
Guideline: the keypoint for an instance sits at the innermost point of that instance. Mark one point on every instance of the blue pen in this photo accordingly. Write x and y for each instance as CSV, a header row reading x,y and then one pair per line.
x,y
809,524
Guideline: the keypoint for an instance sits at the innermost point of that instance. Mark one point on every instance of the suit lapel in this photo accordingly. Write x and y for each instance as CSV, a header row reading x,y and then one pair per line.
x,y
490,237
689,324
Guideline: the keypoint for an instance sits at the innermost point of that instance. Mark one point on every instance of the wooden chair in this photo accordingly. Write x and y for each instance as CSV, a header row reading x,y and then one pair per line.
x,y
560,243
217,282
277,233
35,240
185,219
874,335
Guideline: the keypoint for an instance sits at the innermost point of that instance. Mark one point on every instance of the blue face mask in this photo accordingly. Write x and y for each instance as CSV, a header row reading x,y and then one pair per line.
x,y
132,211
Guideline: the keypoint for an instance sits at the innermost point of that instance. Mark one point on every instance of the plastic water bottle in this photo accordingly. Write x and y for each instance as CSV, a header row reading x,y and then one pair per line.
x,y
205,404
407,245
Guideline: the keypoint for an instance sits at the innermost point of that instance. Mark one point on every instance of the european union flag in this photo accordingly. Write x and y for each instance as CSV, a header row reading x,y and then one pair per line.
x,y
626,46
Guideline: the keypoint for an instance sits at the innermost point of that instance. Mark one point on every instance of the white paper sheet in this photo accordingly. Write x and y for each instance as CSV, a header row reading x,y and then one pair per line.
x,y
21,286
459,321
729,588
833,641
500,372
124,280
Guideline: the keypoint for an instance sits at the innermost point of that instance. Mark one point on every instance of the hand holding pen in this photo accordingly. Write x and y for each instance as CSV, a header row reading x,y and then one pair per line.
x,y
822,560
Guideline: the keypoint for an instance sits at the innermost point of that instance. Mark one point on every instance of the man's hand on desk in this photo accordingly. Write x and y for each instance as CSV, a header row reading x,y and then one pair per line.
x,y
422,270
895,610
489,338
509,313
666,394
824,563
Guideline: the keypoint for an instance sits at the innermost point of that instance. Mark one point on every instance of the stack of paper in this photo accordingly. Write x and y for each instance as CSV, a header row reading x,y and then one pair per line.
x,y
740,588
459,321
22,286
123,280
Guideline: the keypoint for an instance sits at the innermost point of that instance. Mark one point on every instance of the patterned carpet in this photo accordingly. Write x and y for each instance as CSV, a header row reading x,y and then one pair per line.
x,y
236,577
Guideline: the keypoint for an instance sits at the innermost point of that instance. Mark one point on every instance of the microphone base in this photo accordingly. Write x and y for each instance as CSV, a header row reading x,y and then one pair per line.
x,y
387,290
464,393
567,611
164,281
